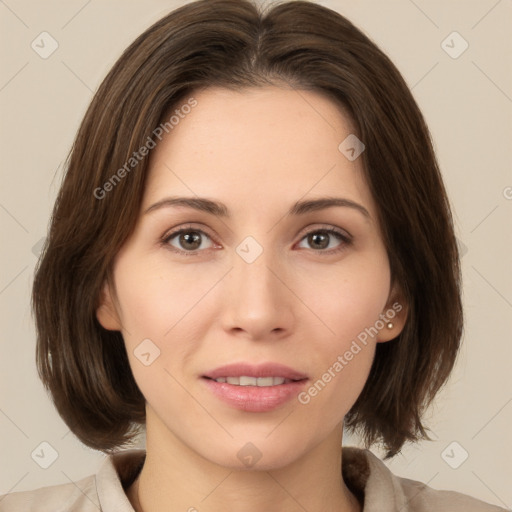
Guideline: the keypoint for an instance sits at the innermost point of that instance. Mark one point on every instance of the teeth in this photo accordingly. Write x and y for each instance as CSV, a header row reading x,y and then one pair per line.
x,y
253,381
248,381
261,381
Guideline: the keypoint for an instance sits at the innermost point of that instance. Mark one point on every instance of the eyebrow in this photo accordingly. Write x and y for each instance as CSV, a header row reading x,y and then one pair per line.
x,y
220,210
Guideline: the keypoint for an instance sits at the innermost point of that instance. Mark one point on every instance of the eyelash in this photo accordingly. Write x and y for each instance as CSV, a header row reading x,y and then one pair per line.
x,y
344,238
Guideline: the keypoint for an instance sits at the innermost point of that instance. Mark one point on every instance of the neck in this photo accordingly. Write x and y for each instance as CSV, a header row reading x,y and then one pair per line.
x,y
176,479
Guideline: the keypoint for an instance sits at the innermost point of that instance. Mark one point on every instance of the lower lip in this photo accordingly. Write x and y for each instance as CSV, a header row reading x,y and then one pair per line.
x,y
255,398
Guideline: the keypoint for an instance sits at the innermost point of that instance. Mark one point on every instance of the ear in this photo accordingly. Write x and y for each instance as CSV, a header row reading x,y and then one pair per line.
x,y
106,312
393,316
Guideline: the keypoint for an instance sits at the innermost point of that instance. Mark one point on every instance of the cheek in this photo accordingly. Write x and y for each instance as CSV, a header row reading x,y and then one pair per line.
x,y
164,313
350,297
156,299
341,353
155,307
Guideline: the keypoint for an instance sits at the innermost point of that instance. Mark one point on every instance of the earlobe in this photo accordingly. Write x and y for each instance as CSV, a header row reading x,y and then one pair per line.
x,y
394,318
106,313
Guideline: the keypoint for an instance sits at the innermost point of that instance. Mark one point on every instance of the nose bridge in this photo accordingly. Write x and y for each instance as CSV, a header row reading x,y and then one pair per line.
x,y
259,302
253,273
255,276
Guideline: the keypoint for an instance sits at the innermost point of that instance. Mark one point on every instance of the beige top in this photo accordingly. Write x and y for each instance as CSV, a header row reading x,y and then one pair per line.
x,y
364,473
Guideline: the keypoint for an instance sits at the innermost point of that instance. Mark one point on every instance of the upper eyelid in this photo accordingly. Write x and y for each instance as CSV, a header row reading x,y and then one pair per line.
x,y
325,227
174,231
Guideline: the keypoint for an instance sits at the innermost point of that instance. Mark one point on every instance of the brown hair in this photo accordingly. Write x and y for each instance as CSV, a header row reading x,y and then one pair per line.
x,y
231,44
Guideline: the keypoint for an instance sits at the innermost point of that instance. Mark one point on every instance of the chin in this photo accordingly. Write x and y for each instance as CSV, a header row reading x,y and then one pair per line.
x,y
256,452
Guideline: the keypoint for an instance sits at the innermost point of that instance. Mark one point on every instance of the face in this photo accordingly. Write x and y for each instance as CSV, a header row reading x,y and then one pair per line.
x,y
276,289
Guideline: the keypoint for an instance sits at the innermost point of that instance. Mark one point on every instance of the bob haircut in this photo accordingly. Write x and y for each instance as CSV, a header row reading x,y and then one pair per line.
x,y
235,45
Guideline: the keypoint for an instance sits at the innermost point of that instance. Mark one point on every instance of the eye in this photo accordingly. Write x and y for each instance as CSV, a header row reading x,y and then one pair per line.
x,y
327,238
187,240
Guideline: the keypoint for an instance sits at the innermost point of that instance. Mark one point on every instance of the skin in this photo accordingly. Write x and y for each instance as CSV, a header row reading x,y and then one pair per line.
x,y
299,303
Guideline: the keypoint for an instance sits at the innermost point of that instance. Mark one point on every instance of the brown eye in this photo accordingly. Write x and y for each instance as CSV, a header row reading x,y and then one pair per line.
x,y
190,240
326,240
318,240
187,240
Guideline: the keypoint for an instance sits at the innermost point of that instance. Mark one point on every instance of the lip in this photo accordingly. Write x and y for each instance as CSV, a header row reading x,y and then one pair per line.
x,y
255,398
260,370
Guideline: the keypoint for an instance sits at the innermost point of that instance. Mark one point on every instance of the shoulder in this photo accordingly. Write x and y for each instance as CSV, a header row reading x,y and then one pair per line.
x,y
77,496
383,491
422,498
103,491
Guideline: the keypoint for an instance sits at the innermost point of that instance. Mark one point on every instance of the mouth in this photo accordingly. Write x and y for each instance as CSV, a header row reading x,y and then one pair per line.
x,y
246,380
251,388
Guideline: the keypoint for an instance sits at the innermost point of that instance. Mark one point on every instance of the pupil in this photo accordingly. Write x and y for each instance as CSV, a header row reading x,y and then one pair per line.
x,y
317,237
193,239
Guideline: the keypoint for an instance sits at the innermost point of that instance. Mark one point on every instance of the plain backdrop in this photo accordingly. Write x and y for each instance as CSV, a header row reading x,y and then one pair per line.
x,y
466,97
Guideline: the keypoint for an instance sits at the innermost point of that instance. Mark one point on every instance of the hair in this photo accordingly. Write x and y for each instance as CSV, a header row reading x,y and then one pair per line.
x,y
235,45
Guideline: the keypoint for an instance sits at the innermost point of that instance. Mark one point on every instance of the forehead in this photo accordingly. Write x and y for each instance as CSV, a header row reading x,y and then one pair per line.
x,y
261,144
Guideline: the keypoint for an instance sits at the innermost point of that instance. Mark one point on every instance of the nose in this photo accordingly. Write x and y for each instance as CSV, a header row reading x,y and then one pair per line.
x,y
258,301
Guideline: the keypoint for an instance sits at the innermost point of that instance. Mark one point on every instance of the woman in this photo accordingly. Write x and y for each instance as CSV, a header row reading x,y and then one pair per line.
x,y
252,250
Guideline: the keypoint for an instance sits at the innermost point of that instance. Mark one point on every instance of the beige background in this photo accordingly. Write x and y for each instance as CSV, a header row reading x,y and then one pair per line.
x,y
467,102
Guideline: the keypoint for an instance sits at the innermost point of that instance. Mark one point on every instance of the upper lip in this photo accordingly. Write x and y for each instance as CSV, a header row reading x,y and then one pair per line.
x,y
252,370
